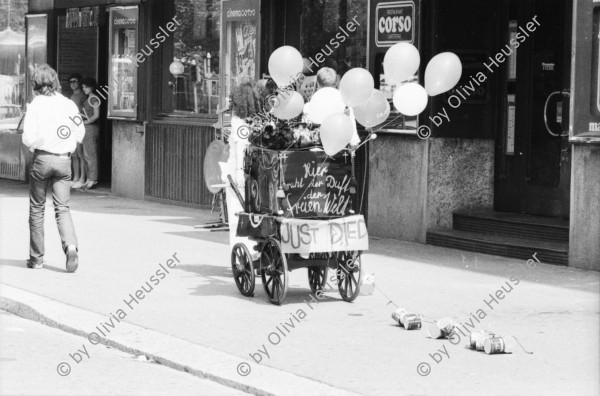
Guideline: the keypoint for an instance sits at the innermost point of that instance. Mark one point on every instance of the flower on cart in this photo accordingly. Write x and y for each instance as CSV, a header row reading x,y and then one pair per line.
x,y
267,131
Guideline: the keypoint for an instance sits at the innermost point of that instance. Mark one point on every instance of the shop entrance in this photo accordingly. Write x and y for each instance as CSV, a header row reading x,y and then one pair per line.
x,y
533,156
82,48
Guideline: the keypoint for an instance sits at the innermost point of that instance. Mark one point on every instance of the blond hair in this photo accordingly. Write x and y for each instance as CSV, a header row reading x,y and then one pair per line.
x,y
327,77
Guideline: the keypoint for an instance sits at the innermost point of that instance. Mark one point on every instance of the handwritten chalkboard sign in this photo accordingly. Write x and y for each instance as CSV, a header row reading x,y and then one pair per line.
x,y
314,184
317,184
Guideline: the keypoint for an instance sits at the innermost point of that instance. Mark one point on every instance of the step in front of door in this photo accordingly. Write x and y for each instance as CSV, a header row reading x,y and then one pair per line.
x,y
512,225
520,248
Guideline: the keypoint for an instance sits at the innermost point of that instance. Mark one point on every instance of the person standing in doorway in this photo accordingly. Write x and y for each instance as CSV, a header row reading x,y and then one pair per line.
x,y
77,158
52,130
91,111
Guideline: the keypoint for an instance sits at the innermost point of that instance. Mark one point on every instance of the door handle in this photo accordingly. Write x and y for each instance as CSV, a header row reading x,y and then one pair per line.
x,y
565,94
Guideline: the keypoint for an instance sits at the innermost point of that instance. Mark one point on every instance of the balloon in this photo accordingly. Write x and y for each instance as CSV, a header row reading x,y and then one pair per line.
x,y
401,61
442,73
374,111
285,64
324,102
336,132
356,86
288,105
410,99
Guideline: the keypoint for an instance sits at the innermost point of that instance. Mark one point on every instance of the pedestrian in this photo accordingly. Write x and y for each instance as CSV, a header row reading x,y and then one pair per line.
x,y
77,158
52,129
91,111
245,102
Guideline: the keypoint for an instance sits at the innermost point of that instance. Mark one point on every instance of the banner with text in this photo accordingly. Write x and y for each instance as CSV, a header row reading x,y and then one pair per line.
x,y
322,236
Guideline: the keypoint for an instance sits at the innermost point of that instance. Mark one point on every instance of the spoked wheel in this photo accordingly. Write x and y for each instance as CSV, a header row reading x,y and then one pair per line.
x,y
243,269
317,277
273,271
349,275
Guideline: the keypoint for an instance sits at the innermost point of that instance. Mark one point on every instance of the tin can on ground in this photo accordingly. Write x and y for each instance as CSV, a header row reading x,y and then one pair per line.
x,y
411,321
477,339
493,345
433,331
398,314
447,326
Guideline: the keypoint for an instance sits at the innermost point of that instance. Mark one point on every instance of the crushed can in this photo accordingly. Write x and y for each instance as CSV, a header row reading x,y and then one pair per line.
x,y
447,326
493,345
398,314
411,321
477,339
406,319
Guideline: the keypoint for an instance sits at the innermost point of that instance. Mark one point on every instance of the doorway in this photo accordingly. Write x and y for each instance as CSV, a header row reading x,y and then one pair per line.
x,y
533,156
84,50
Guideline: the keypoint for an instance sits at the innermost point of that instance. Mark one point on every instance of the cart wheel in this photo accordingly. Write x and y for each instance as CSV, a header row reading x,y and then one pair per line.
x,y
317,277
243,269
273,271
349,275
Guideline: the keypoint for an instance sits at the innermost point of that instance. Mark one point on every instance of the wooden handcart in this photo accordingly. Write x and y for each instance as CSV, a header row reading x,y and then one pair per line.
x,y
299,211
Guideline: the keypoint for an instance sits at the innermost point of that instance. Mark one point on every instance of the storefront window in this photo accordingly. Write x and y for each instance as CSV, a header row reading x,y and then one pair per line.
x,y
194,85
124,60
324,31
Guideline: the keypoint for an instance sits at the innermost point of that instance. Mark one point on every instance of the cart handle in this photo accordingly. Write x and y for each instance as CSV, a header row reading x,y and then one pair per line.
x,y
237,192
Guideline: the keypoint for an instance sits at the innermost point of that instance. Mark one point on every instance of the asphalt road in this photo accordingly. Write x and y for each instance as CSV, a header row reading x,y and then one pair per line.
x,y
30,353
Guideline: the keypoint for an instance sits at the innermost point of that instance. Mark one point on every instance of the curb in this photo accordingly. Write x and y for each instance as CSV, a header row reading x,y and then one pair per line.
x,y
167,350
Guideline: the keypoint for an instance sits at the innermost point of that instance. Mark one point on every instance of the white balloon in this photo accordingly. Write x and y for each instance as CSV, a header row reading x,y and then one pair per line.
x,y
401,61
285,65
442,73
324,102
288,105
410,99
336,133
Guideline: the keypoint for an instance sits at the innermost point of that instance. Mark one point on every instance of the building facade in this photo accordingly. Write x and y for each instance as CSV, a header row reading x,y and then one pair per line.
x,y
503,151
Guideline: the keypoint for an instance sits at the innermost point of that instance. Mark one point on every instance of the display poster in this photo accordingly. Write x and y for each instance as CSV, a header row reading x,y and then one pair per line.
x,y
584,119
77,52
81,17
305,236
240,44
124,58
392,22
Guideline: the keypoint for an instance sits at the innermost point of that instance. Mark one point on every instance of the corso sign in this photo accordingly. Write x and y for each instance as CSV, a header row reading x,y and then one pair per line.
x,y
395,23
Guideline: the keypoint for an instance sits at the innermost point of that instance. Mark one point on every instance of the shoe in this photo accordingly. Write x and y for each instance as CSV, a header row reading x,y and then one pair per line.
x,y
90,184
77,185
35,266
72,258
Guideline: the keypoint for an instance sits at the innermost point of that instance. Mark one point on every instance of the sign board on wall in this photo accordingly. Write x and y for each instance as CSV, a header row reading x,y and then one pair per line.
x,y
392,22
585,68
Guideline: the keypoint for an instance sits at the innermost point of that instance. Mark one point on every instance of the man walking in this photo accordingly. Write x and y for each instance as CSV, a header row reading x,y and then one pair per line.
x,y
52,130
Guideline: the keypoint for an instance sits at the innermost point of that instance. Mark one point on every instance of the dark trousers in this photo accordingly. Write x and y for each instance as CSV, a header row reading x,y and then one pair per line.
x,y
56,171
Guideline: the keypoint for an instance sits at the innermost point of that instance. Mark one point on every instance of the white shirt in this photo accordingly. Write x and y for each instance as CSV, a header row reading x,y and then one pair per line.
x,y
53,124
